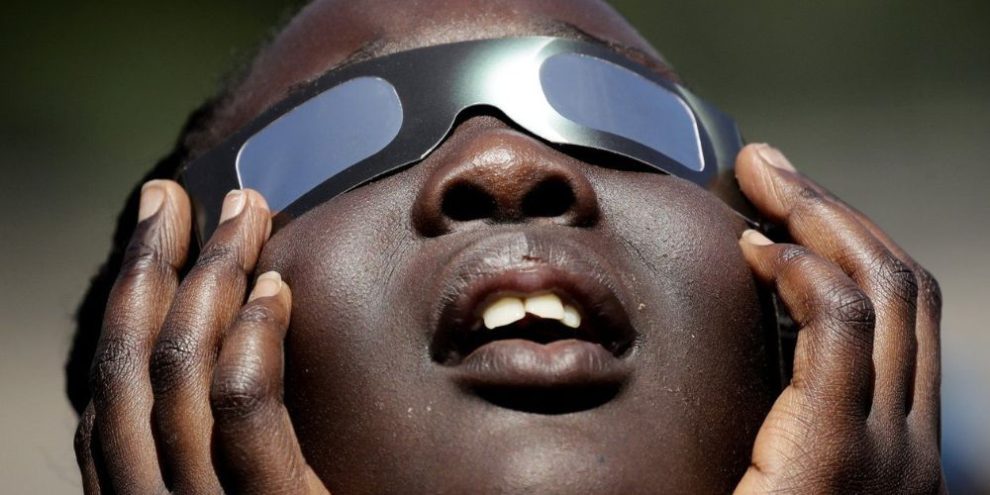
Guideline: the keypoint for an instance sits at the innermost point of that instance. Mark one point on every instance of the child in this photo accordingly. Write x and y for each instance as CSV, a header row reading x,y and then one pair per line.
x,y
503,316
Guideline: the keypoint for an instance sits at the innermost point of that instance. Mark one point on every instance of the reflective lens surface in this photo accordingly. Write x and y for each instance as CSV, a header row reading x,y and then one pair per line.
x,y
319,138
601,95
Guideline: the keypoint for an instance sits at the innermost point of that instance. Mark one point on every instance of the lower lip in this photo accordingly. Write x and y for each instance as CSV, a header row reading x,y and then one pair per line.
x,y
520,363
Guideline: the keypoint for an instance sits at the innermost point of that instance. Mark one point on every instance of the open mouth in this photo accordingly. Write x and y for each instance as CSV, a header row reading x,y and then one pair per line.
x,y
536,338
547,318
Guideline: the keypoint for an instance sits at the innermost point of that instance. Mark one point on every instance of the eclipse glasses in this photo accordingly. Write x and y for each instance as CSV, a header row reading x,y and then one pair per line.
x,y
362,121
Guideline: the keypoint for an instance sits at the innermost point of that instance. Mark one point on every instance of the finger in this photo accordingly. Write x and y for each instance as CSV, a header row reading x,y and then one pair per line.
x,y
833,357
925,409
86,456
122,395
255,445
870,225
185,353
827,228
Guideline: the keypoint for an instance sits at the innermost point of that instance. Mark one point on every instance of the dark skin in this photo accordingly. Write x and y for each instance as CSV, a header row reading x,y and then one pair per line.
x,y
189,394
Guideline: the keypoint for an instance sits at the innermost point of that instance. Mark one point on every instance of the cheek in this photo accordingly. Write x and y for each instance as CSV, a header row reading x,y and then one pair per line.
x,y
684,239
708,341
335,256
345,352
331,257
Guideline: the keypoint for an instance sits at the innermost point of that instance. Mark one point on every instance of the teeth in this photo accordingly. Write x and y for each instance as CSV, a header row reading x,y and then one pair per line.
x,y
571,317
504,311
545,306
508,310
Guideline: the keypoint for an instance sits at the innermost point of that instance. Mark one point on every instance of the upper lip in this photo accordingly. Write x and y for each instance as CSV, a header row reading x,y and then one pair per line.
x,y
521,263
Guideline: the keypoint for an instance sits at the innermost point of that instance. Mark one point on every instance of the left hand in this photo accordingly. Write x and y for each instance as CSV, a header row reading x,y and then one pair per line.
x,y
861,414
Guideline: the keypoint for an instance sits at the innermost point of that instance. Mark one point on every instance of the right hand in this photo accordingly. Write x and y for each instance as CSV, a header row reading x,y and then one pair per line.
x,y
186,381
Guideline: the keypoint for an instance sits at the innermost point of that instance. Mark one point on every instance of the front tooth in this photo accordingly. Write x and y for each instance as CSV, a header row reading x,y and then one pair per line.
x,y
545,306
504,311
571,317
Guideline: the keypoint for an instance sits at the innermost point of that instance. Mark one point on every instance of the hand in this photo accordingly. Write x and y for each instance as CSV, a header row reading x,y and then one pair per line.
x,y
186,382
861,414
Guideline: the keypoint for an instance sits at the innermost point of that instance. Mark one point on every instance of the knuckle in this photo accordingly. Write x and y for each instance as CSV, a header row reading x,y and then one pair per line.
x,y
809,193
895,278
116,361
799,262
238,392
259,314
143,258
219,257
811,203
929,289
849,307
171,361
795,257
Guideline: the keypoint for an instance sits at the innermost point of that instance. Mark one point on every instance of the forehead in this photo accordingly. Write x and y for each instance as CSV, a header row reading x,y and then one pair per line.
x,y
328,32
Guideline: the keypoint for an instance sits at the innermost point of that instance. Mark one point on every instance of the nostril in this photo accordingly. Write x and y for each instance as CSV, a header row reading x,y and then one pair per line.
x,y
465,201
552,197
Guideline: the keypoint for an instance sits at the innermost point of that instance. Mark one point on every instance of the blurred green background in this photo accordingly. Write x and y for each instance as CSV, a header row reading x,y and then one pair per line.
x,y
887,102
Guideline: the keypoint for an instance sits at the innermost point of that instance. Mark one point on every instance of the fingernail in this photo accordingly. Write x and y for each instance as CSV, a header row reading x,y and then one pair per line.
x,y
268,285
233,205
773,157
755,238
152,199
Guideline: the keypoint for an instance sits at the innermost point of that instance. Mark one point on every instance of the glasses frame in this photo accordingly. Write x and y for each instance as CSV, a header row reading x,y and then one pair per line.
x,y
435,85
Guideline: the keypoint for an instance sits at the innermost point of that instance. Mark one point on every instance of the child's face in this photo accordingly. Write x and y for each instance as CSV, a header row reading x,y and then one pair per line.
x,y
379,396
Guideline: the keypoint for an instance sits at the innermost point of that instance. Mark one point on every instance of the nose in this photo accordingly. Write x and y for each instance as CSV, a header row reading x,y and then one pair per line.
x,y
503,176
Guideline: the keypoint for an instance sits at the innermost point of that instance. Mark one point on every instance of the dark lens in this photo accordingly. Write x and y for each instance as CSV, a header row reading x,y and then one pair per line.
x,y
328,133
606,97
